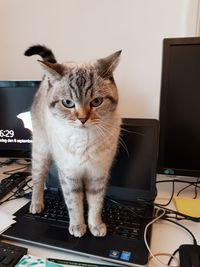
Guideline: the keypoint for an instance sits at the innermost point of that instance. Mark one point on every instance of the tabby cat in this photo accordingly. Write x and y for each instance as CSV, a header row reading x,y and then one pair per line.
x,y
76,123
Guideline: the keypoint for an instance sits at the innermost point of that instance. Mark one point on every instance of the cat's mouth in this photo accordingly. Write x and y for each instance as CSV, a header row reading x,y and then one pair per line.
x,y
83,123
83,126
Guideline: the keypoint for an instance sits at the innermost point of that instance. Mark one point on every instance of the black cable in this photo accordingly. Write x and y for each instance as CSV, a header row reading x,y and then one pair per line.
x,y
184,188
173,181
172,195
186,229
177,181
195,184
195,189
14,196
171,258
17,194
177,215
182,226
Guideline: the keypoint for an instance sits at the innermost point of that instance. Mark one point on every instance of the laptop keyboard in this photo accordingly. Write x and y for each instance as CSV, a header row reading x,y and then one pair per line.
x,y
121,221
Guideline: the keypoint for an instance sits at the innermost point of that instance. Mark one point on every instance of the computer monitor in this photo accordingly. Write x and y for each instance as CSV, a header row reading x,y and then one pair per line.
x,y
179,150
15,120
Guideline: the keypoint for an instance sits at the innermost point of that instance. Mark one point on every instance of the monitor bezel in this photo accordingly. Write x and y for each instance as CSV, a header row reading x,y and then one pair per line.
x,y
162,167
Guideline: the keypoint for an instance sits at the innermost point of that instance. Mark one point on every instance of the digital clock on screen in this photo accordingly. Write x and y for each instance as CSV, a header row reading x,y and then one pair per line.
x,y
7,133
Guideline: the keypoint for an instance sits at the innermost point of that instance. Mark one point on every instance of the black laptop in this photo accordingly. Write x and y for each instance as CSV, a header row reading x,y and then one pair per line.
x,y
127,210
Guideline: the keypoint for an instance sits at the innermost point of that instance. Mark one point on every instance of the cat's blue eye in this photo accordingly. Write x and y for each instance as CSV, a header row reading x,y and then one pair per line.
x,y
96,102
68,103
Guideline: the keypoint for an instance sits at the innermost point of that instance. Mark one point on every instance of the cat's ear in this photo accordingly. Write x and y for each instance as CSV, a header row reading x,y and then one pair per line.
x,y
54,70
107,65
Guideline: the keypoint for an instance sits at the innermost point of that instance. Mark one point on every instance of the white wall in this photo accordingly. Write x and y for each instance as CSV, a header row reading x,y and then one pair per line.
x,y
88,29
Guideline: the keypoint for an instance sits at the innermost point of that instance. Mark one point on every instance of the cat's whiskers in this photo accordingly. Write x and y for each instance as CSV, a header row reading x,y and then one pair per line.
x,y
121,141
123,144
100,132
111,125
125,130
108,134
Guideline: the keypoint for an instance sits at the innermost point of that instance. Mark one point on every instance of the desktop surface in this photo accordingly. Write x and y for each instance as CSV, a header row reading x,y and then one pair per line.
x,y
172,236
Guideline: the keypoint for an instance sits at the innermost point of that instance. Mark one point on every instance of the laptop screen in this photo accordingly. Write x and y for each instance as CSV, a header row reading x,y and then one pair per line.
x,y
133,173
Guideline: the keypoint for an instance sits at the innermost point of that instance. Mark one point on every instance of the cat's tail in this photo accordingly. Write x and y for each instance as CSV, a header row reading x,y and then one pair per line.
x,y
46,54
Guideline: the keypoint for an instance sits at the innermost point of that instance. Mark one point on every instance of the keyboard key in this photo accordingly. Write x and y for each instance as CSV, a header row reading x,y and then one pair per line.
x,y
10,254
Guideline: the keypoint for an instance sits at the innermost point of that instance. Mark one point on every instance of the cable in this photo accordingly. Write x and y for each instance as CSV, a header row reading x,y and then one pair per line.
x,y
14,170
17,193
186,229
172,195
172,256
187,186
178,215
154,219
195,184
182,226
195,188
154,256
173,181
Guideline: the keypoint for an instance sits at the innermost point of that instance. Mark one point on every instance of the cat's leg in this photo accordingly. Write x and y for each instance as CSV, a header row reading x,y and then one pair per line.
x,y
95,191
73,194
41,161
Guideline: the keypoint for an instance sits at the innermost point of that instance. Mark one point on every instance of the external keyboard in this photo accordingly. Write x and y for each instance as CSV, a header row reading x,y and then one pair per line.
x,y
12,181
10,254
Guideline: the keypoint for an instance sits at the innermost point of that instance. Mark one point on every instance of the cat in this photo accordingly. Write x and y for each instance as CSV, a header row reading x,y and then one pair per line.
x,y
76,123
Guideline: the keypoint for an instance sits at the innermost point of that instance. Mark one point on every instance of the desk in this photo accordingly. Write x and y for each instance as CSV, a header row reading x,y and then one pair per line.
x,y
166,237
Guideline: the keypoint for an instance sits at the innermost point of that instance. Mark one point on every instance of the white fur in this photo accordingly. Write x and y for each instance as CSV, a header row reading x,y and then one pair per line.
x,y
70,145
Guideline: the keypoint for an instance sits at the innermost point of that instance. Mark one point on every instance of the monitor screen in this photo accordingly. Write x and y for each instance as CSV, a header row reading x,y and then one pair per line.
x,y
15,120
180,107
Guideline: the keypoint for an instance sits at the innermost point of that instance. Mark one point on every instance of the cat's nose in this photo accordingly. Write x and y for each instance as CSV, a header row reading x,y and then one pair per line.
x,y
83,120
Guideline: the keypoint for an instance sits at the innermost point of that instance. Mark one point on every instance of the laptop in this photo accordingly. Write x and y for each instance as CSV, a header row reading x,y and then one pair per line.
x,y
129,200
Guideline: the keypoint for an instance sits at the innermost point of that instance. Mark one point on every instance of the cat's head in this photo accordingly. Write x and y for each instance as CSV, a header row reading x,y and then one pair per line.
x,y
84,94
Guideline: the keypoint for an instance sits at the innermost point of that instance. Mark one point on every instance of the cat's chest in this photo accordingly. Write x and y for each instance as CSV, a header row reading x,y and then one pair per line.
x,y
77,142
82,144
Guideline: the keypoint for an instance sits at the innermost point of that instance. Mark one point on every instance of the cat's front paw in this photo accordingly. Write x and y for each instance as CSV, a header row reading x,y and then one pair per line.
x,y
78,230
36,207
98,230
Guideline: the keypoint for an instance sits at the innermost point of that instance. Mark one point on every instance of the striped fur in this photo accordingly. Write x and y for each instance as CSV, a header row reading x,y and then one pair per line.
x,y
77,124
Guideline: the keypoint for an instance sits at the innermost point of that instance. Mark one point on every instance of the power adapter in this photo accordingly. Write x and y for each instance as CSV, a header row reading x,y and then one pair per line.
x,y
189,255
